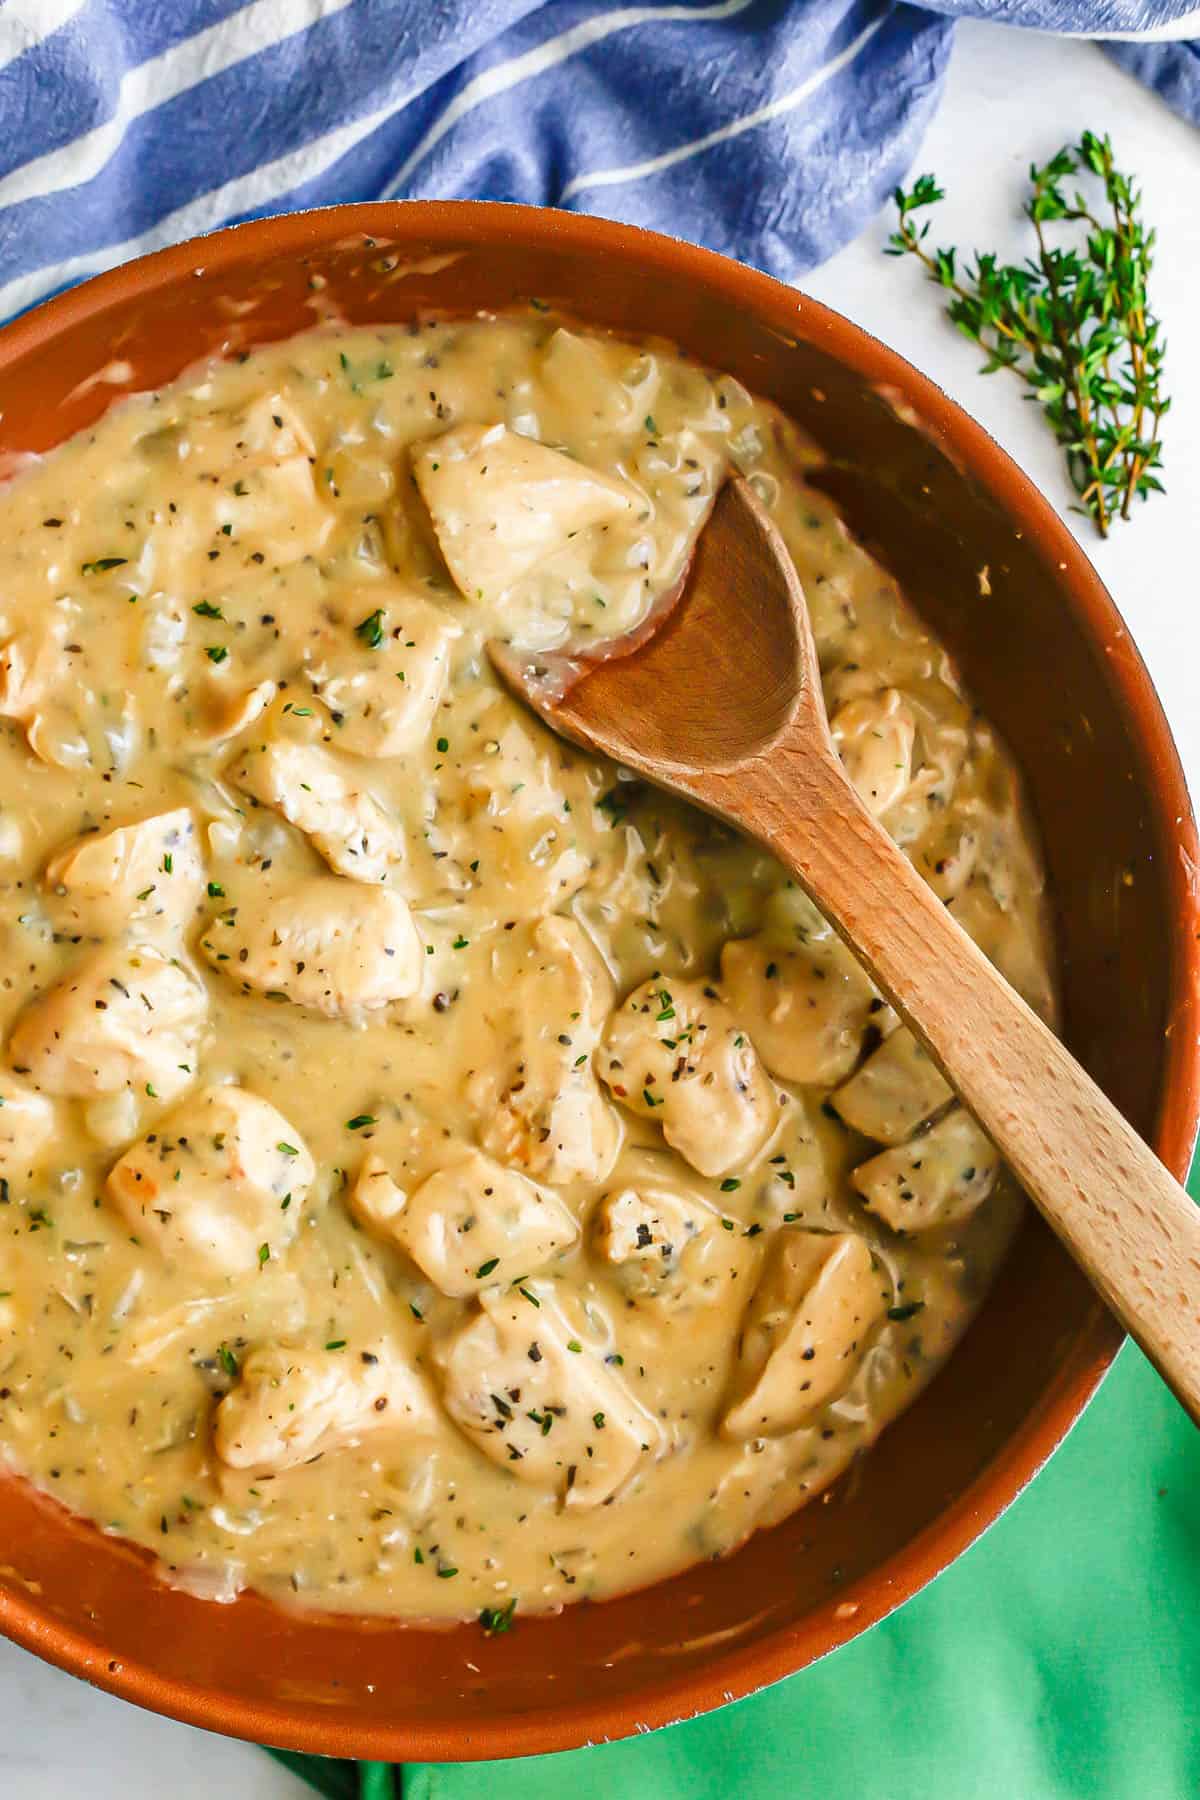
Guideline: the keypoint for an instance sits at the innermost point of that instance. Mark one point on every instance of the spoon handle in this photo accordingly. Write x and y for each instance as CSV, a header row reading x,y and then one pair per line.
x,y
1124,1218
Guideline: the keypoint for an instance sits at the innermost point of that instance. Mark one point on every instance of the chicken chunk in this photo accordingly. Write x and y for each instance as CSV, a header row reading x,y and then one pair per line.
x,y
292,1404
222,1179
376,1200
382,674
646,1225
144,879
333,946
224,715
31,665
897,1088
805,1331
468,1223
675,1054
515,821
875,736
120,1018
27,1124
244,474
34,678
536,1097
947,853
113,1120
1015,951
662,1242
535,1400
937,1178
806,1010
941,735
342,818
572,364
501,503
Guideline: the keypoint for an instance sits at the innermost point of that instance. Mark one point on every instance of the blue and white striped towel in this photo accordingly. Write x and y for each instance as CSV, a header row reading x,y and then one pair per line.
x,y
769,129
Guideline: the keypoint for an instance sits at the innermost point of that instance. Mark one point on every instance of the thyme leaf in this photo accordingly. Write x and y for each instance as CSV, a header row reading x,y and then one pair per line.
x,y
1072,321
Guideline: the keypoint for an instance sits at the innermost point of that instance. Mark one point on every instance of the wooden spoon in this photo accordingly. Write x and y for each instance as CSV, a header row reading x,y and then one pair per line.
x,y
717,697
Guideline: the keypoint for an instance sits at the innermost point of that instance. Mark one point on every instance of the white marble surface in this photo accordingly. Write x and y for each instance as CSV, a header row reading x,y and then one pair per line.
x,y
1010,98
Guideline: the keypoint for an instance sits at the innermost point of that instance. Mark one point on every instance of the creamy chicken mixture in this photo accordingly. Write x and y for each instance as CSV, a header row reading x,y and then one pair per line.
x,y
440,1174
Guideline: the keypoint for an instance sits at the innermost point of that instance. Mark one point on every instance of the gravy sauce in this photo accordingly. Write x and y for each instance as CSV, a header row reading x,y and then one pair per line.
x,y
439,1173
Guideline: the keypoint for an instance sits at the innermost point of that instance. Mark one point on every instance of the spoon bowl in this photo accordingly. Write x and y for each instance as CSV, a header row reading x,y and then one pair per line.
x,y
732,691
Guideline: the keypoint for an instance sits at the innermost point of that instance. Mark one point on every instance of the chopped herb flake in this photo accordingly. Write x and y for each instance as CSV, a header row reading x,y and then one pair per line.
x,y
496,1620
369,631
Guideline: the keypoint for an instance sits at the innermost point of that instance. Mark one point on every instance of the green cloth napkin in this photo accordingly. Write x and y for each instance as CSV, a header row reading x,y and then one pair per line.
x,y
1059,1659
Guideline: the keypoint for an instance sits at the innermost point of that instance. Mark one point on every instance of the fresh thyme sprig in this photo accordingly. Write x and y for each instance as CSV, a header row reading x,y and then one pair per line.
x,y
1071,322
